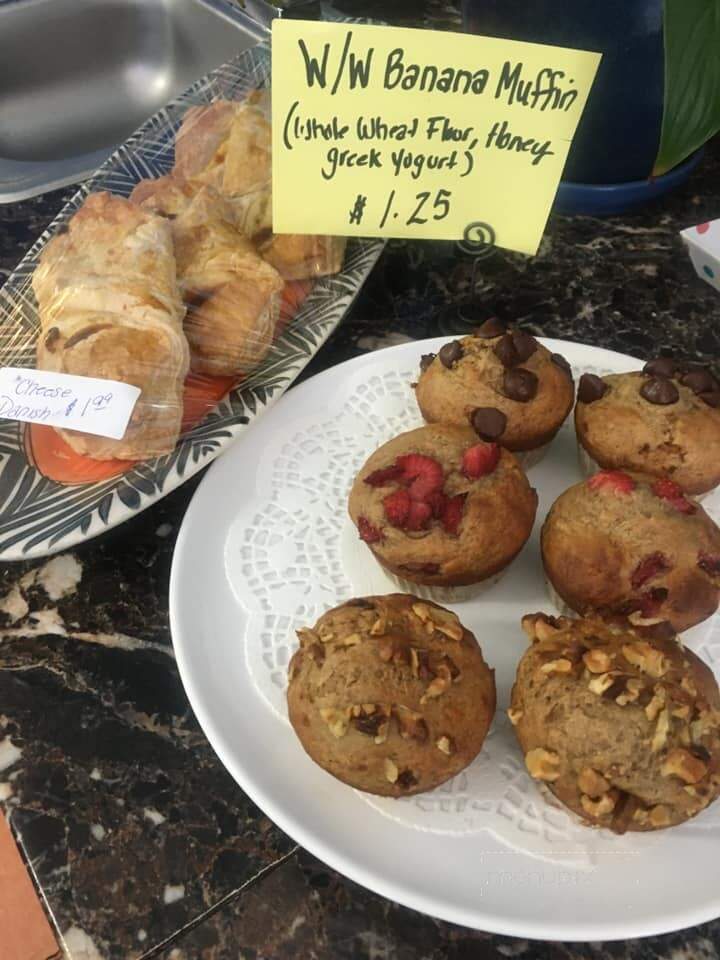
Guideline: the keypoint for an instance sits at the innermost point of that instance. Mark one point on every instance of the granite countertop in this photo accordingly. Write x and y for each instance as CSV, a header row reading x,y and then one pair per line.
x,y
133,829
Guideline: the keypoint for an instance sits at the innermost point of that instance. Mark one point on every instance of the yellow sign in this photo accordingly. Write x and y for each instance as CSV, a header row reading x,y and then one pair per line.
x,y
392,132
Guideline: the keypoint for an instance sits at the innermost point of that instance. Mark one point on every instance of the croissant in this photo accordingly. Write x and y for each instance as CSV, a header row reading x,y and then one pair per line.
x,y
109,307
228,145
231,293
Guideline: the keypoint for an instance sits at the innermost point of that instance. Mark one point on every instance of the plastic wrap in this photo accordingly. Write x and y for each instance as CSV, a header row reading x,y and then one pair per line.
x,y
180,286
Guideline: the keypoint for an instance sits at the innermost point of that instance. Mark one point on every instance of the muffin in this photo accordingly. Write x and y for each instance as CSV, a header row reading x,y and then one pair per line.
x,y
390,694
663,421
627,544
622,726
509,387
438,506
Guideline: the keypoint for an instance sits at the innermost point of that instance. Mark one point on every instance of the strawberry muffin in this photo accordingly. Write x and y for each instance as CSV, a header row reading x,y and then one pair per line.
x,y
509,387
440,507
390,694
621,724
634,546
663,420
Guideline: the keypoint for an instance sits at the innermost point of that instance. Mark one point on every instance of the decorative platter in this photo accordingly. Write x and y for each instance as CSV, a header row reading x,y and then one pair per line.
x,y
50,499
266,549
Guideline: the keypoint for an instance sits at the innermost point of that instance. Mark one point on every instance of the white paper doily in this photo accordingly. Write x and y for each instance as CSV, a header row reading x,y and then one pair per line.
x,y
286,552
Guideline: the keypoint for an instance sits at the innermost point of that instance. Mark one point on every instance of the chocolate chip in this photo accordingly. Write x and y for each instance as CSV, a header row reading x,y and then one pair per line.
x,y
51,338
661,367
659,391
425,360
700,381
505,351
491,328
488,422
406,780
559,360
525,345
711,399
369,725
520,384
591,388
450,354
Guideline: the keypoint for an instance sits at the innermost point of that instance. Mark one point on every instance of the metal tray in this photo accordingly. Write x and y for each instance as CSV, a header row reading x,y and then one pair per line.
x,y
79,76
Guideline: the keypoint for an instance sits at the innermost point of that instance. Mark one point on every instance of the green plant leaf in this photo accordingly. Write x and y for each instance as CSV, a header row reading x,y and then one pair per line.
x,y
691,112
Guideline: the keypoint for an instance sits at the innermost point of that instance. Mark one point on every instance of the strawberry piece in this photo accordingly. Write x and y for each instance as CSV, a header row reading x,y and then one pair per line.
x,y
397,507
709,562
452,513
380,478
614,480
480,460
673,494
424,474
437,501
649,567
419,515
368,531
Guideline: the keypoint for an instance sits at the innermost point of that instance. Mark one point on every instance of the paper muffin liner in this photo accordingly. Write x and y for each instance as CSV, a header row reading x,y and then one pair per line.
x,y
557,601
530,458
589,467
444,595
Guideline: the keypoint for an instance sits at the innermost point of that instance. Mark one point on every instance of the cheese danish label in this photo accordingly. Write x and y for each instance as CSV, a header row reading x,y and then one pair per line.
x,y
393,132
87,404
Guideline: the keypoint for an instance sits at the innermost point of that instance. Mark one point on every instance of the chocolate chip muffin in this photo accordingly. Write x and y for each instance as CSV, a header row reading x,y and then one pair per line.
x,y
440,507
623,727
390,694
631,545
663,420
509,387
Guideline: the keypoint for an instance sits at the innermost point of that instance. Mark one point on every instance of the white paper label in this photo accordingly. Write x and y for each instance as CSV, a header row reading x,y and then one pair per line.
x,y
100,407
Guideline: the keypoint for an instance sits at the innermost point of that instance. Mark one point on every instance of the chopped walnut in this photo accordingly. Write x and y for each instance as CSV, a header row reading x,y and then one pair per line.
x,y
391,771
352,640
637,619
445,745
556,666
633,686
597,661
514,716
681,712
656,704
646,658
379,627
436,688
317,653
688,686
435,618
592,783
661,731
543,764
326,635
703,725
681,763
659,816
382,733
337,720
411,724
601,807
600,683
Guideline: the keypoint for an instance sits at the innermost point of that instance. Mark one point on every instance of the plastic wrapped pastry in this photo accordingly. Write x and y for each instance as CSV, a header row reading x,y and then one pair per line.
x,y
299,256
110,308
232,294
228,145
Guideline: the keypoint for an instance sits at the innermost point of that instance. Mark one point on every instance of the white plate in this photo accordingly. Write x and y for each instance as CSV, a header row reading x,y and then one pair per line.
x,y
265,548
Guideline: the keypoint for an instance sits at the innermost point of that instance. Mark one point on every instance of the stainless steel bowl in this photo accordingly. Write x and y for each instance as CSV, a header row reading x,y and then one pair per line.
x,y
78,76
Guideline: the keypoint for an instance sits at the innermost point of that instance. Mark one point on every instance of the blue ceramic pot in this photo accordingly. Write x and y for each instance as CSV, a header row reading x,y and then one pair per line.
x,y
618,135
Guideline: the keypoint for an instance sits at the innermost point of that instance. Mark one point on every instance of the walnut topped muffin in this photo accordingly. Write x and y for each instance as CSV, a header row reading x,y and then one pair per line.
x,y
622,726
663,420
390,694
509,387
440,507
628,544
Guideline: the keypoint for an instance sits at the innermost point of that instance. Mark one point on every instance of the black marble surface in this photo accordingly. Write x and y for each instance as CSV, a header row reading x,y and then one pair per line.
x,y
131,826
